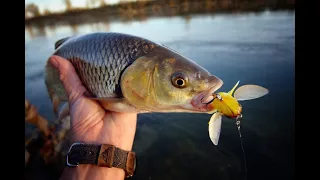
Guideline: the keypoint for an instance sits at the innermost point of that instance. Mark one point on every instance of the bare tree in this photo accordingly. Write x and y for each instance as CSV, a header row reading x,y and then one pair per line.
x,y
123,1
91,3
88,2
102,3
46,12
95,3
68,5
33,9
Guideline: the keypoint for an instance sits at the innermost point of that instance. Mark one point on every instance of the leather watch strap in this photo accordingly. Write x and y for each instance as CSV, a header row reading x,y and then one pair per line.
x,y
102,155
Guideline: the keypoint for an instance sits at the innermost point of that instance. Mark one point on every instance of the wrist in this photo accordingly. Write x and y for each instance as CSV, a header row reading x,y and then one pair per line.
x,y
103,156
88,171
119,132
122,144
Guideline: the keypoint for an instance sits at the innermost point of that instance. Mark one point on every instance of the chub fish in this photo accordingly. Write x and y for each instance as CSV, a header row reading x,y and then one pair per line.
x,y
132,74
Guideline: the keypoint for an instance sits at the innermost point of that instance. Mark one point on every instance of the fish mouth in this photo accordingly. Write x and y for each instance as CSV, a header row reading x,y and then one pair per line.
x,y
200,102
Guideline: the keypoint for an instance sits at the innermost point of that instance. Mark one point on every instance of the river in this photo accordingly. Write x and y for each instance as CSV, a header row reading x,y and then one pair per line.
x,y
255,48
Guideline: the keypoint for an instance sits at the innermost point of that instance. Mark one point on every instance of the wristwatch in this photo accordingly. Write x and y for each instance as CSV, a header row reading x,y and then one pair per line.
x,y
103,155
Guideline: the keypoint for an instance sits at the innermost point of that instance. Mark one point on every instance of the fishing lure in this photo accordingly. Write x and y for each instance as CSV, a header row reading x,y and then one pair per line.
x,y
226,104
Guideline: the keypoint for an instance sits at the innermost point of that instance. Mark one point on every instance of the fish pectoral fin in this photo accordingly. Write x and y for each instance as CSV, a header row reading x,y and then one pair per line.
x,y
116,105
64,112
61,41
215,128
248,92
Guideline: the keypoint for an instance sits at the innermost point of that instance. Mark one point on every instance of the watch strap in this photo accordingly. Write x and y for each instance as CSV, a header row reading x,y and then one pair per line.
x,y
101,155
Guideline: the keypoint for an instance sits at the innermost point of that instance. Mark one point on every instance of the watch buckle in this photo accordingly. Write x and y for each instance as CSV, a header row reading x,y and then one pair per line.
x,y
69,164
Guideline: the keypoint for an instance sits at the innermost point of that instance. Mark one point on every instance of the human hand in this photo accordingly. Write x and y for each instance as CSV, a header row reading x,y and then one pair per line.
x,y
92,124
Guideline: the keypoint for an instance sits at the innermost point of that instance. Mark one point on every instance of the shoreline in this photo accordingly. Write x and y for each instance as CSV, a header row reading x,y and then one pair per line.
x,y
152,9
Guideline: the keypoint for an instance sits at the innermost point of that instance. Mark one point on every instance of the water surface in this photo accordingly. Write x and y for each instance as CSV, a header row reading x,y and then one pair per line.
x,y
255,48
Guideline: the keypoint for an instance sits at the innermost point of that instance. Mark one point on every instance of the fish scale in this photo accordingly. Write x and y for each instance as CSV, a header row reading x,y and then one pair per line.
x,y
100,59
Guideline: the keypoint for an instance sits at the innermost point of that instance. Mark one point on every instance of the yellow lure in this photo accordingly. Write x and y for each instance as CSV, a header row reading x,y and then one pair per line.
x,y
226,104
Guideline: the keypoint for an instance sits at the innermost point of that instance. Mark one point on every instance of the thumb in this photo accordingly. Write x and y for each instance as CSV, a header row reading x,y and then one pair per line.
x,y
69,78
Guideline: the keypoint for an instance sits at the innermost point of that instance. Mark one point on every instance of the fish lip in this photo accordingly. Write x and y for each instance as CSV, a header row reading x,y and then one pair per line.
x,y
198,103
208,93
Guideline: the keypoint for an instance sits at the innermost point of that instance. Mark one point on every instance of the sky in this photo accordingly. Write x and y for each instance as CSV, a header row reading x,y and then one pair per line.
x,y
58,5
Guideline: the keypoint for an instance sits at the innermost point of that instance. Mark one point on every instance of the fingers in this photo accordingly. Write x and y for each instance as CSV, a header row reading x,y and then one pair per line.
x,y
69,78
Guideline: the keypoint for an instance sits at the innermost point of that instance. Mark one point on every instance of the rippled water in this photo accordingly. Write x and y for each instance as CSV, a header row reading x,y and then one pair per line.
x,y
255,48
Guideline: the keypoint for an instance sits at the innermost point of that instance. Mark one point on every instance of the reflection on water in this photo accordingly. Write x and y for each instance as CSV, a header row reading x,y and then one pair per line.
x,y
74,28
50,30
36,32
187,19
255,48
30,32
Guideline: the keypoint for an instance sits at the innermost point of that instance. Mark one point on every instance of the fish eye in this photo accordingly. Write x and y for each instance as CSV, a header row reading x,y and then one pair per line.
x,y
179,80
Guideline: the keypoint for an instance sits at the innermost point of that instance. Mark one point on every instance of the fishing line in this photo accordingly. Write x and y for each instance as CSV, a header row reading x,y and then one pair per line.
x,y
243,152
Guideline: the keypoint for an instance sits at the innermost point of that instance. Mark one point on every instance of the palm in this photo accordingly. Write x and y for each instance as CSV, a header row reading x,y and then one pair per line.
x,y
90,122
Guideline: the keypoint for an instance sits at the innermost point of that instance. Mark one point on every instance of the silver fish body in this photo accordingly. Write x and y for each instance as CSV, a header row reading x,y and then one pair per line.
x,y
99,59
144,75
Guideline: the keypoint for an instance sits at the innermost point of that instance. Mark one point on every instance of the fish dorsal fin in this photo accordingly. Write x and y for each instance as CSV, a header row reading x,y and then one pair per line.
x,y
234,87
60,41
